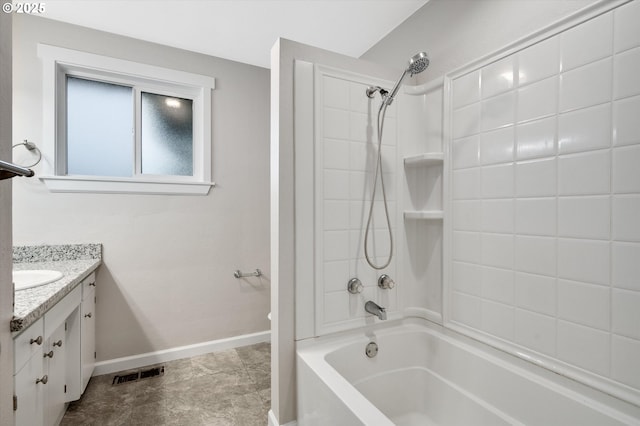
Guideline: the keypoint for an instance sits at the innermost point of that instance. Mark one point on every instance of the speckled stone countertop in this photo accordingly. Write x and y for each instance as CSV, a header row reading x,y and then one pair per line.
x,y
75,261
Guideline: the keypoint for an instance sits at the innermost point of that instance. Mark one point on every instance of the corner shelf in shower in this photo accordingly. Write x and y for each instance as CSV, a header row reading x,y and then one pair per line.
x,y
423,214
424,159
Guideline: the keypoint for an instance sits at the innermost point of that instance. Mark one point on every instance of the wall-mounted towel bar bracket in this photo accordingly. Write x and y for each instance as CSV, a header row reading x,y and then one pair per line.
x,y
9,170
238,274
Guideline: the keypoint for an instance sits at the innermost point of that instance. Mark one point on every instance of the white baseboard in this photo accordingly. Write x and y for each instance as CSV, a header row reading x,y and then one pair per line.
x,y
149,358
274,422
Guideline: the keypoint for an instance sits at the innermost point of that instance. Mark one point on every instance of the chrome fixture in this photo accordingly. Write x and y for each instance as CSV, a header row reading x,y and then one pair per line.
x,y
376,310
371,350
238,274
417,63
386,282
355,286
9,170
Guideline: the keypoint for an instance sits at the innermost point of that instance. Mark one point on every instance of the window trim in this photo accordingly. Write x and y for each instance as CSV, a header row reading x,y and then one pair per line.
x,y
59,62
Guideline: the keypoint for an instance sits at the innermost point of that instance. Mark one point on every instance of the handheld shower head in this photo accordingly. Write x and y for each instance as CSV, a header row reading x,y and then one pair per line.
x,y
417,63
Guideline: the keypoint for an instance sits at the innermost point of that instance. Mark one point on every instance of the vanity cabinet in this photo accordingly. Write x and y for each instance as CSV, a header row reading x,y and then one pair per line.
x,y
49,366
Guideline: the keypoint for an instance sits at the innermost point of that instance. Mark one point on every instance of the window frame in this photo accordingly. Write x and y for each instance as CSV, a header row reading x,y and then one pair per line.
x,y
59,62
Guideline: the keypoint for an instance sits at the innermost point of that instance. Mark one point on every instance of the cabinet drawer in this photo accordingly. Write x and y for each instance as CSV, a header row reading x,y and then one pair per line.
x,y
61,310
23,348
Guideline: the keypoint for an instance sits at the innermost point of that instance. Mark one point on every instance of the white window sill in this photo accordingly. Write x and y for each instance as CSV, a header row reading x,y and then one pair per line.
x,y
108,185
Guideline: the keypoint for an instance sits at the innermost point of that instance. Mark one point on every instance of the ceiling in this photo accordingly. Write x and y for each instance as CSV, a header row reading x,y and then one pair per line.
x,y
241,30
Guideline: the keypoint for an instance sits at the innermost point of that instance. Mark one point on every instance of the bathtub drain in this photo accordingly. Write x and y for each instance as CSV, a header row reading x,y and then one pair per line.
x,y
371,350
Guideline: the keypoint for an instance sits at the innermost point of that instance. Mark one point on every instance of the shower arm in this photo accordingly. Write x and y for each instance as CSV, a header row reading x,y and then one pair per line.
x,y
9,170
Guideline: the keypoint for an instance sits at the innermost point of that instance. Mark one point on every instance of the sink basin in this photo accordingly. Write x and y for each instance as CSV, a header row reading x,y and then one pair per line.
x,y
34,278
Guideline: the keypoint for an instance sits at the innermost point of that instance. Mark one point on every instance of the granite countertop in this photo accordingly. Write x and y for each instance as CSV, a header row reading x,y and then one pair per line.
x,y
76,262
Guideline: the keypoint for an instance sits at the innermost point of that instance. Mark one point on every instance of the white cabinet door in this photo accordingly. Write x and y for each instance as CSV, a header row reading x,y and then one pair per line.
x,y
29,384
55,367
88,330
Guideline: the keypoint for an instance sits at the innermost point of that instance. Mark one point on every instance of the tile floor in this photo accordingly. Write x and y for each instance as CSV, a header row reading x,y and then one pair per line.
x,y
230,387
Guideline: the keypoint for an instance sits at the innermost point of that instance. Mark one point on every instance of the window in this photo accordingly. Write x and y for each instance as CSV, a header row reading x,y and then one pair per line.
x,y
118,126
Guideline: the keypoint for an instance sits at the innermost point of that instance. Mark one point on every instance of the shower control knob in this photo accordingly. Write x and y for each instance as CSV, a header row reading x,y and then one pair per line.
x,y
386,282
355,286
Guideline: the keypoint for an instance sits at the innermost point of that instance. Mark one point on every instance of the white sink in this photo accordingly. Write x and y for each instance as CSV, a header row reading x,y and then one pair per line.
x,y
34,278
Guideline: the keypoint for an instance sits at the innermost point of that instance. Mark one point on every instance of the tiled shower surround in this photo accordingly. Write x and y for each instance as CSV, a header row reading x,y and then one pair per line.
x,y
545,197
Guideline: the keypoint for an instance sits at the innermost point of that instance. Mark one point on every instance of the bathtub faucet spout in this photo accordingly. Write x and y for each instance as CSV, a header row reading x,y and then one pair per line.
x,y
376,310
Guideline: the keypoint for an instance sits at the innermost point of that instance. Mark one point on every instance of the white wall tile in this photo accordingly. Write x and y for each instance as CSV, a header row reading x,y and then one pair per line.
x,y
626,315
498,77
465,152
586,86
585,304
536,216
626,30
466,121
336,185
336,215
585,129
497,284
466,309
362,156
336,245
626,126
584,217
466,184
335,123
625,265
497,216
626,211
389,131
497,146
497,250
571,344
361,128
336,307
498,111
336,275
536,178
467,246
467,215
497,181
335,92
596,33
498,319
584,260
336,154
584,173
539,61
625,354
626,169
535,331
626,70
536,255
536,293
538,99
536,139
466,89
466,277
359,101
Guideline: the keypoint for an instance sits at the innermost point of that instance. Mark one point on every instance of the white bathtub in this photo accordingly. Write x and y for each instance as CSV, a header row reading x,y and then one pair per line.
x,y
425,375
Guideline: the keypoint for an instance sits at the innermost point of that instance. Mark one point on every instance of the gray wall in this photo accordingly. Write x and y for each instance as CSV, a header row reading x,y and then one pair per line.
x,y
456,32
167,278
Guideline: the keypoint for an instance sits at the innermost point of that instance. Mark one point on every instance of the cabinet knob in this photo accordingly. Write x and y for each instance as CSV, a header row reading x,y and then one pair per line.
x,y
44,380
93,284
88,315
48,354
37,340
58,343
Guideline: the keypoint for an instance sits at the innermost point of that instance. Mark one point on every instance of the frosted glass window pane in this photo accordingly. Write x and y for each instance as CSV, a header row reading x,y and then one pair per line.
x,y
99,128
167,135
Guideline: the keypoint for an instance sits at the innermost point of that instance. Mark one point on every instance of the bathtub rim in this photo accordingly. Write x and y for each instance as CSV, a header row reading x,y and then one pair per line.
x,y
314,352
